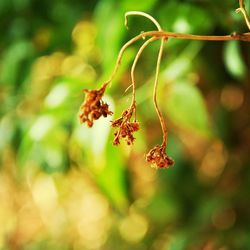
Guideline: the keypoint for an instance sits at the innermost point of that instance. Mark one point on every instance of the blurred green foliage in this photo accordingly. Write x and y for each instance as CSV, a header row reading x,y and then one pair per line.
x,y
64,186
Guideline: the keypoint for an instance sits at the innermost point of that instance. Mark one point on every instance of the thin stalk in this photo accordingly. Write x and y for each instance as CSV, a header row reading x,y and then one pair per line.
x,y
145,44
119,58
162,121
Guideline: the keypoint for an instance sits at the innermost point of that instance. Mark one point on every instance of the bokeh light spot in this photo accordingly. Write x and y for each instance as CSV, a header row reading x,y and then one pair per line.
x,y
41,127
57,96
133,228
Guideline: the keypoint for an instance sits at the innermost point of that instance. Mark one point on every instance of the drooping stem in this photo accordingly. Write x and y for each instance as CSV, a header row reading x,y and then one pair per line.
x,y
244,13
145,44
139,13
119,58
162,34
162,121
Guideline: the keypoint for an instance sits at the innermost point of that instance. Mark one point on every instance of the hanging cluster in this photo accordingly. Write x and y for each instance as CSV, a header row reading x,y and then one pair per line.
x,y
158,158
125,128
94,107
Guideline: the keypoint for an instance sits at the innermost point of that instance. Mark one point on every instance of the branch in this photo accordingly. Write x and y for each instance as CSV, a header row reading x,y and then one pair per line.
x,y
245,37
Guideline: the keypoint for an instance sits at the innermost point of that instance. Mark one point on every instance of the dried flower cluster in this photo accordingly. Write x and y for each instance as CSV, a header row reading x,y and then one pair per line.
x,y
93,106
126,128
158,158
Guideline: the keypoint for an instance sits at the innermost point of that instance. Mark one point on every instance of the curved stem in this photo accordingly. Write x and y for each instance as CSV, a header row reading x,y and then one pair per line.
x,y
119,58
162,121
140,13
134,65
133,40
243,11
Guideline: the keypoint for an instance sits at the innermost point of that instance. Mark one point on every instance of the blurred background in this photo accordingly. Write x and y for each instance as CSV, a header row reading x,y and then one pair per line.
x,y
64,186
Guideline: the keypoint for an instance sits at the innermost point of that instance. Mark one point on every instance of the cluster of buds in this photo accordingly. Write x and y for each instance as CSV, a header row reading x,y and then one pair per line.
x,y
158,157
93,106
126,128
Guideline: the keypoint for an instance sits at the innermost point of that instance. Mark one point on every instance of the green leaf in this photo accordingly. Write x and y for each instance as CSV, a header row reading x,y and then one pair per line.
x,y
186,108
233,60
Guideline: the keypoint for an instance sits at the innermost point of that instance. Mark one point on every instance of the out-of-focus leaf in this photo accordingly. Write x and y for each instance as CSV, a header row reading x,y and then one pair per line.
x,y
110,32
4,6
185,18
180,65
63,100
12,61
186,108
44,144
21,4
6,131
169,209
128,5
179,242
112,178
233,60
